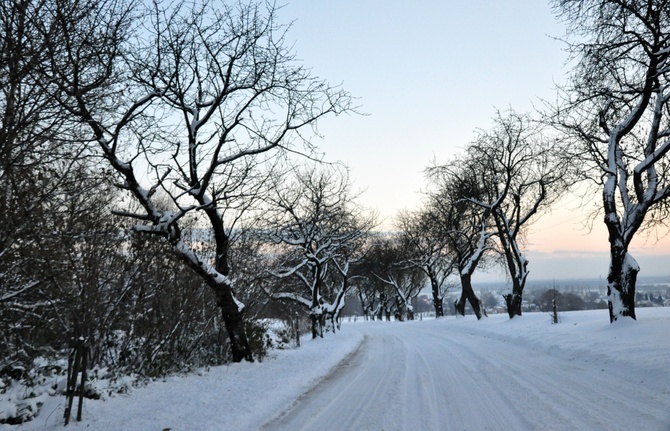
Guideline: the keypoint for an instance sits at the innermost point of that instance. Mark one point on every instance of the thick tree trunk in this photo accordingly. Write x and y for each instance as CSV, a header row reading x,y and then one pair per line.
x,y
332,321
513,301
232,313
623,268
231,309
437,300
517,264
400,310
621,284
317,325
468,294
234,323
366,308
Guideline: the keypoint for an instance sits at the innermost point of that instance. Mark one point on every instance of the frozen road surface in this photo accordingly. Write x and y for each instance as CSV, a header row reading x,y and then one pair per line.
x,y
496,374
445,374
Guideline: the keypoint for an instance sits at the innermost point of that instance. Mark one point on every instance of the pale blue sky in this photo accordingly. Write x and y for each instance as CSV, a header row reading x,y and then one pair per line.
x,y
428,73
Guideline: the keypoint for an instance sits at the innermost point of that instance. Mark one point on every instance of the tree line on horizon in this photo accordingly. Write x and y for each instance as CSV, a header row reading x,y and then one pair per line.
x,y
159,188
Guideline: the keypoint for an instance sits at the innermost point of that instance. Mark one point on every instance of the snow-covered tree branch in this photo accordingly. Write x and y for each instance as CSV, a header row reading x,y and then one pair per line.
x,y
522,175
319,231
462,223
428,251
202,97
614,116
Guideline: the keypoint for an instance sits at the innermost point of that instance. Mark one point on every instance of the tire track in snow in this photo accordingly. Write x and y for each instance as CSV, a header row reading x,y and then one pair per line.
x,y
471,401
433,375
401,380
356,393
557,398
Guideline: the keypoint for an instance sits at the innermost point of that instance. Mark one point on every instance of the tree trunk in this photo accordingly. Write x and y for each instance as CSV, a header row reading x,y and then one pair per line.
x,y
233,318
317,325
363,306
332,321
437,300
623,268
468,294
400,310
231,309
234,322
513,301
621,284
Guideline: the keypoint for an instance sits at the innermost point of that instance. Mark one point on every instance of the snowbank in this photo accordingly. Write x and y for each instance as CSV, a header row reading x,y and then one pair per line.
x,y
246,396
235,397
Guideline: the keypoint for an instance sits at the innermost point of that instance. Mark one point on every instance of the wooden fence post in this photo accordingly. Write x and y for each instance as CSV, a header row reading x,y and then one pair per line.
x,y
77,363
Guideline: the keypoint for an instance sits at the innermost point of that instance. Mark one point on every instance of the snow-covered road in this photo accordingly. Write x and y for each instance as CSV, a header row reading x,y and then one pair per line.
x,y
465,375
445,374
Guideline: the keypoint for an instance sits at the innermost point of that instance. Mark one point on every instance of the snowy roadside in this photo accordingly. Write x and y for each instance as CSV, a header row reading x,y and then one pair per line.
x,y
643,342
500,374
236,397
583,351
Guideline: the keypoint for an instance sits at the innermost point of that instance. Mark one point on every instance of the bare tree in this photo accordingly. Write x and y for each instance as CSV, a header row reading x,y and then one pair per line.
x,y
615,116
428,251
464,226
521,176
394,268
192,98
43,169
47,292
29,125
320,232
373,293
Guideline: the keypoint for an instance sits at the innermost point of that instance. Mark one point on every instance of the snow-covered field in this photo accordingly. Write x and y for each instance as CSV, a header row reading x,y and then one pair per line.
x,y
450,373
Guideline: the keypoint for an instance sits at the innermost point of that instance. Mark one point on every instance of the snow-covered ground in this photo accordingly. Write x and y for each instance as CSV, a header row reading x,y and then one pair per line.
x,y
451,373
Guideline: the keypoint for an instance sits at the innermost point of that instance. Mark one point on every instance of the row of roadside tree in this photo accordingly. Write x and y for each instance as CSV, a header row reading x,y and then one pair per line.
x,y
159,185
